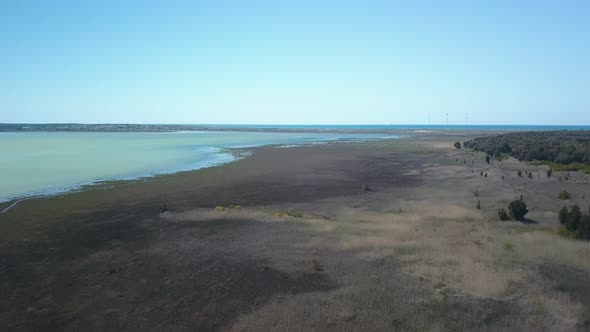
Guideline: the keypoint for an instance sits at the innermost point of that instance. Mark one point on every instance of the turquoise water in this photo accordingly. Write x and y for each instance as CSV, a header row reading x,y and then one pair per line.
x,y
37,163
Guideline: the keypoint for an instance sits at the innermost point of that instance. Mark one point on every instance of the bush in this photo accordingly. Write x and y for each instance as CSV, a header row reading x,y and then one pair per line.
x,y
457,145
315,265
563,215
517,210
564,195
570,217
583,231
574,224
562,231
503,215
288,213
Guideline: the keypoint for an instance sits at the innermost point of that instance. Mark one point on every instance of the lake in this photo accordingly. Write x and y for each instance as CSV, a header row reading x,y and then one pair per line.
x,y
40,163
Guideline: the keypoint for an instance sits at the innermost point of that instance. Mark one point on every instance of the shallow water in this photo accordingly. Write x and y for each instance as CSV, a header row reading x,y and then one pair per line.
x,y
48,162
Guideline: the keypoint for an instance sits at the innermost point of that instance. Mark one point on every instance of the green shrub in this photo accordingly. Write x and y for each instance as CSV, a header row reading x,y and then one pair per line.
x,y
508,246
503,215
569,217
562,231
517,210
564,195
563,215
288,213
583,231
315,265
221,208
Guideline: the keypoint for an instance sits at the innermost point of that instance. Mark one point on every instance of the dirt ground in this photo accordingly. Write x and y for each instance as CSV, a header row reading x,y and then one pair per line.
x,y
359,236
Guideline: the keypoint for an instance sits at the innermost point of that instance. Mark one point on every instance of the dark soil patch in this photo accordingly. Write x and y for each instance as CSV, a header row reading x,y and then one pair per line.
x,y
130,275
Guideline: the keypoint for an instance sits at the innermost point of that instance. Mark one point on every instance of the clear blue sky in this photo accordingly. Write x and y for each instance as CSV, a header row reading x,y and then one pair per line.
x,y
295,62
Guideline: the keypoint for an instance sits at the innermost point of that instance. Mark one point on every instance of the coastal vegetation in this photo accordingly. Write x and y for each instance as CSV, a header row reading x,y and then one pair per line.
x,y
560,150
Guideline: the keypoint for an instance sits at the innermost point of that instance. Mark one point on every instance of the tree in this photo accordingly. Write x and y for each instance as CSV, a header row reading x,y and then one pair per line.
x,y
573,218
517,210
570,217
457,145
563,215
583,231
503,215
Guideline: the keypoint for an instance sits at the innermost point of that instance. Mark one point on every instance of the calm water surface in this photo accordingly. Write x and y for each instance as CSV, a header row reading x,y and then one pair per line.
x,y
44,163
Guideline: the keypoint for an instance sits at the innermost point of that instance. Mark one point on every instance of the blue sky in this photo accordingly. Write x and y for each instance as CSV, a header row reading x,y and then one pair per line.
x,y
295,62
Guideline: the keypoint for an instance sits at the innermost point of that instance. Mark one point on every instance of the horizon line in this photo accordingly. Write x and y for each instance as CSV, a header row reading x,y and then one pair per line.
x,y
286,124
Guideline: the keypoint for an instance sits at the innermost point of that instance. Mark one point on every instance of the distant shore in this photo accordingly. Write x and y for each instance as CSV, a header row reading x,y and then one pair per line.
x,y
73,127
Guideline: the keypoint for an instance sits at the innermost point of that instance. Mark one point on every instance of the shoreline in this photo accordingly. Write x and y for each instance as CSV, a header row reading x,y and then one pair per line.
x,y
224,155
362,128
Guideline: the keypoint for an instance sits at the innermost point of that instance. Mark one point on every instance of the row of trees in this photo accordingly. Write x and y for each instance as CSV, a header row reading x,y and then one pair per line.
x,y
562,147
574,223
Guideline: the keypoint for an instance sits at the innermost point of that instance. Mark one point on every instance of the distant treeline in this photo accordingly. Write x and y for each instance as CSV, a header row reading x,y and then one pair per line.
x,y
560,147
